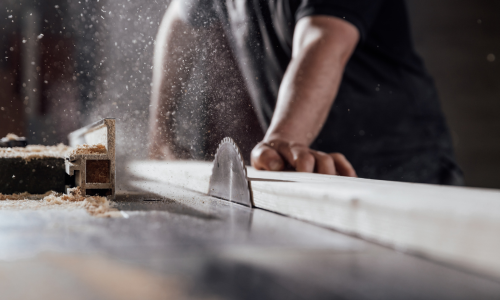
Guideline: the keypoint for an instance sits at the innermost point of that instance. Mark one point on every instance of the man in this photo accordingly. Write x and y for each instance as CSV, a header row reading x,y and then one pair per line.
x,y
328,78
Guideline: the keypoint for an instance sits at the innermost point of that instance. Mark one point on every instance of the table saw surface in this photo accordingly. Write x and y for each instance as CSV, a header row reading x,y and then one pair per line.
x,y
192,246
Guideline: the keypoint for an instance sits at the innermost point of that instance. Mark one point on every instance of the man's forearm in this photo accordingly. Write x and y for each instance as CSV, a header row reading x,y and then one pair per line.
x,y
173,61
312,80
322,46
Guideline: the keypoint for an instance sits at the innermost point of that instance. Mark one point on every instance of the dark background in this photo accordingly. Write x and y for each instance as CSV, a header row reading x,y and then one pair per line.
x,y
455,38
94,60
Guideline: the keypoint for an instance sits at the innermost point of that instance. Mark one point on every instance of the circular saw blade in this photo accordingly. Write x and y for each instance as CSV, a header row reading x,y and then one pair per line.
x,y
229,175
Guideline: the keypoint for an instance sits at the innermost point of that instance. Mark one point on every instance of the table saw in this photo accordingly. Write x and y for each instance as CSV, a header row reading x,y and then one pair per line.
x,y
220,230
187,245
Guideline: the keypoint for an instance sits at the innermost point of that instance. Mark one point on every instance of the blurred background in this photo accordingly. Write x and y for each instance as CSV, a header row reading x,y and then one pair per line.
x,y
67,63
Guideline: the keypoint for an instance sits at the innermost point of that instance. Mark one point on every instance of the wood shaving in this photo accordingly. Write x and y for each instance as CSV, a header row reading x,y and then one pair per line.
x,y
11,137
24,196
95,205
35,152
89,149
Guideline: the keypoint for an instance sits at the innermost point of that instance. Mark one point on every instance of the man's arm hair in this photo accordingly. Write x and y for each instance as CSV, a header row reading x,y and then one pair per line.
x,y
174,57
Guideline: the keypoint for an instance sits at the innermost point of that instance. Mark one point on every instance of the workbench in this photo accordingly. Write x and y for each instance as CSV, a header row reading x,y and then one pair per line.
x,y
175,243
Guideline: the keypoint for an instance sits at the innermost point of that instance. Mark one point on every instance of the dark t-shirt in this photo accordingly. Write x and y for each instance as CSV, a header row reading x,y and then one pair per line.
x,y
386,118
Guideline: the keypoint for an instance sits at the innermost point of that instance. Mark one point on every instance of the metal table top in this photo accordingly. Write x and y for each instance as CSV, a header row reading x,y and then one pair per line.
x,y
192,246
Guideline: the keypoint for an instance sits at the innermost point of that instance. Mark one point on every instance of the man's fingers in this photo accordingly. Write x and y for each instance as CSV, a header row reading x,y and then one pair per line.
x,y
342,165
303,160
285,151
324,163
266,158
273,155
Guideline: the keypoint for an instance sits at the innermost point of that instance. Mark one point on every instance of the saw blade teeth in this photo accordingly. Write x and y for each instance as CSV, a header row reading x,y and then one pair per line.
x,y
237,188
228,140
242,161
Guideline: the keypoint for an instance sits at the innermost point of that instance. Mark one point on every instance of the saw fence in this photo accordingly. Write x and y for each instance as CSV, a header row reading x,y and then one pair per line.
x,y
455,225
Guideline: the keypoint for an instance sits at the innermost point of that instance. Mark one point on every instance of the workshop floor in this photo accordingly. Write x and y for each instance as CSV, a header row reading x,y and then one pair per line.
x,y
198,247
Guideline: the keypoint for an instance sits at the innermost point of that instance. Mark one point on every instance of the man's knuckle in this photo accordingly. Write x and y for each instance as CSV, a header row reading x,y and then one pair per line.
x,y
307,158
324,156
338,155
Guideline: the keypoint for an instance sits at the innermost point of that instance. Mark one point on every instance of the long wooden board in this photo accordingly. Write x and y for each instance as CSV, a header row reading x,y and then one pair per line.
x,y
455,225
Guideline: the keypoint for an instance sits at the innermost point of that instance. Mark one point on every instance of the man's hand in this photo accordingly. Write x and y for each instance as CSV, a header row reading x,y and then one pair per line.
x,y
322,45
276,154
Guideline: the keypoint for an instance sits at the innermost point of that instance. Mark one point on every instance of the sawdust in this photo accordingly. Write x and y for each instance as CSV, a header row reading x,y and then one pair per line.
x,y
10,137
35,152
39,151
89,149
95,205
24,196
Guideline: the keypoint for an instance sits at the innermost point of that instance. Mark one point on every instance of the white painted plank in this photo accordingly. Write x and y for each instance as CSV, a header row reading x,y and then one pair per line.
x,y
191,175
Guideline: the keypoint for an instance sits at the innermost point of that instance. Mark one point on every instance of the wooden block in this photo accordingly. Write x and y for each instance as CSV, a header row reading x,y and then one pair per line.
x,y
36,176
35,169
98,171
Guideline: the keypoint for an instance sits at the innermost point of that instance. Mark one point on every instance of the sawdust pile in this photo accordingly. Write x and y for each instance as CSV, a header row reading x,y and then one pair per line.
x,y
94,205
35,152
11,137
60,151
24,196
89,149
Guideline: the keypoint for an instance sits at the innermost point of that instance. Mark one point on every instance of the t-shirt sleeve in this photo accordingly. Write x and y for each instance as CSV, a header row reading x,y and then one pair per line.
x,y
198,13
360,13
